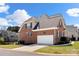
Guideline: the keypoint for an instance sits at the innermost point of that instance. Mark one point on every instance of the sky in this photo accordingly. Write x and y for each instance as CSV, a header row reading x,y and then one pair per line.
x,y
14,14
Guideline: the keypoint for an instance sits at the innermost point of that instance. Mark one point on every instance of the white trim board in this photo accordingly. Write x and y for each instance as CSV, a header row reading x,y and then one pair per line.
x,y
45,29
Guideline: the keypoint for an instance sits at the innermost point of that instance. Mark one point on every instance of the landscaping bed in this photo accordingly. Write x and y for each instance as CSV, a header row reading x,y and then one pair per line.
x,y
69,49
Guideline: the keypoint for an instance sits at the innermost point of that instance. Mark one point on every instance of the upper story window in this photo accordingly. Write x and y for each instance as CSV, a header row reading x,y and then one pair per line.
x,y
25,25
31,25
28,25
60,24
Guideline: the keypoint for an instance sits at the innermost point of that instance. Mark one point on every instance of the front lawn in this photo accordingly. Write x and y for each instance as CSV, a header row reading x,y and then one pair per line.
x,y
10,46
73,49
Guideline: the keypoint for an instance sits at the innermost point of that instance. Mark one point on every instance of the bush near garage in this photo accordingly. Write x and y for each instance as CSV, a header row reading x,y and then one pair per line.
x,y
64,40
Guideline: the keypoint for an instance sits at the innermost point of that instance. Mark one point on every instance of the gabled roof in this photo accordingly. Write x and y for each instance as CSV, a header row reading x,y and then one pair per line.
x,y
51,21
32,18
59,18
26,21
55,19
71,28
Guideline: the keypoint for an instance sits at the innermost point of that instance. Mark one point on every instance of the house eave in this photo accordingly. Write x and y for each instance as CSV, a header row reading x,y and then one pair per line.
x,y
45,29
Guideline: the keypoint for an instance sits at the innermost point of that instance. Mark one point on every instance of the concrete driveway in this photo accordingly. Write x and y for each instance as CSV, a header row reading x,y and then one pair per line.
x,y
30,48
9,52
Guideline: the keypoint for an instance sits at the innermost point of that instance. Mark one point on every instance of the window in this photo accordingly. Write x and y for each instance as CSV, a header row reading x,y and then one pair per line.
x,y
25,25
30,33
60,24
31,25
28,25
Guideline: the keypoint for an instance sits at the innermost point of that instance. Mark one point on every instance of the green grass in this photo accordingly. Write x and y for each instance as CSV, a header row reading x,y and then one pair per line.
x,y
73,49
10,46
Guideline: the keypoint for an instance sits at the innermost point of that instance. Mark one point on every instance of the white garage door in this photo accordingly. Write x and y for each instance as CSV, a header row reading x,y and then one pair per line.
x,y
45,39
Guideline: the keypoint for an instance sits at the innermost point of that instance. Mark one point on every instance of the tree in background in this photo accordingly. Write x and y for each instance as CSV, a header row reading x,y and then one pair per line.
x,y
13,28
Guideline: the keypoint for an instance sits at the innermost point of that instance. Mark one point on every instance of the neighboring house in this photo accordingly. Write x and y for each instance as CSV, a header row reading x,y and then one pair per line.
x,y
42,30
9,36
12,36
71,31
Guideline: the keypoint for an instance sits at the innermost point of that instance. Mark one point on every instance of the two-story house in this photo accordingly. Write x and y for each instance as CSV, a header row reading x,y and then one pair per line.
x,y
42,30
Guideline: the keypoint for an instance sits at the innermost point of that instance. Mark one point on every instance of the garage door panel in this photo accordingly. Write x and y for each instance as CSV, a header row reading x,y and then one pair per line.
x,y
45,39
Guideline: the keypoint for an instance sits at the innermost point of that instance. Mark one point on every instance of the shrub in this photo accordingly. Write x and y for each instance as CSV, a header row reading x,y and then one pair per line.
x,y
64,40
73,39
2,40
78,38
20,42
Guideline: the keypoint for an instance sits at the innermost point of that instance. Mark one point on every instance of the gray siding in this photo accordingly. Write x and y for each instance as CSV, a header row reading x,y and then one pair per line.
x,y
71,30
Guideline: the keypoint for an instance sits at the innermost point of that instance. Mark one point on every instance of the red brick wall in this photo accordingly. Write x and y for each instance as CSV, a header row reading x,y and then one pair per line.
x,y
33,39
24,35
47,32
61,29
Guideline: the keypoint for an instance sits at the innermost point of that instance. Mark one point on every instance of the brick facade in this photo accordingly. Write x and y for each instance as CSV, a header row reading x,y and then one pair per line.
x,y
33,37
30,35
